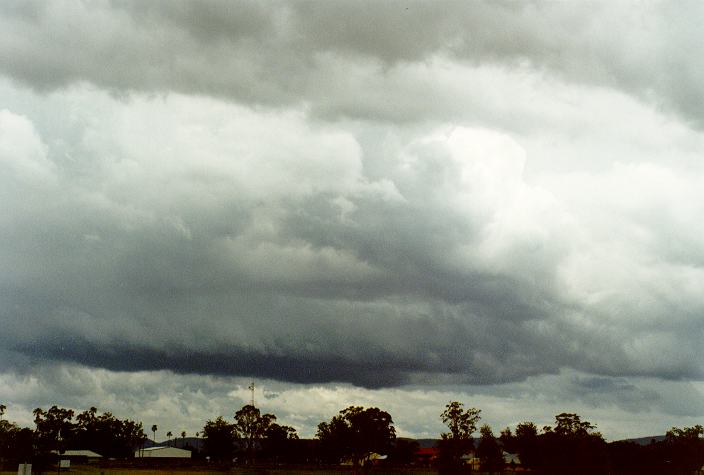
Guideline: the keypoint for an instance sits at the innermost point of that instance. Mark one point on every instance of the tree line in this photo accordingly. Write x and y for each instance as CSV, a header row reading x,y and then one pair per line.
x,y
358,435
57,429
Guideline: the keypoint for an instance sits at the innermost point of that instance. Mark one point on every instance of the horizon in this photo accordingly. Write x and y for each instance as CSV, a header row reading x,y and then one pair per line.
x,y
309,436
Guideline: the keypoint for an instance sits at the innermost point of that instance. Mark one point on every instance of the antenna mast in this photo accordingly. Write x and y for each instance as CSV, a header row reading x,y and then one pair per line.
x,y
251,388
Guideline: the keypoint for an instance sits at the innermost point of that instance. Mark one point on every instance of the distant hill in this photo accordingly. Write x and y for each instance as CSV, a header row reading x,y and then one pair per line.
x,y
196,443
645,440
178,442
426,443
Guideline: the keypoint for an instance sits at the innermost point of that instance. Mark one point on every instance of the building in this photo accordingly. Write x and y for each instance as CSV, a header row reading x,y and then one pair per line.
x,y
426,456
79,456
163,452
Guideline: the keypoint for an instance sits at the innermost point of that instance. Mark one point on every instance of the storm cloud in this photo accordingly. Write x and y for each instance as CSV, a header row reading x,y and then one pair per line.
x,y
383,195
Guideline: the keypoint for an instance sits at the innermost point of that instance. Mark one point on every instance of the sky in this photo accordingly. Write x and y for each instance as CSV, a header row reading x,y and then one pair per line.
x,y
391,204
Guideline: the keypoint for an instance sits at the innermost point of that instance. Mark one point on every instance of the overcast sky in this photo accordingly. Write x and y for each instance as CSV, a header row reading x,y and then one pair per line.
x,y
394,204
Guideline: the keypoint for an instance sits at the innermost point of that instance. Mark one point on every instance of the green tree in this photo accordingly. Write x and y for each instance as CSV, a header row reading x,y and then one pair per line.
x,y
16,444
106,434
572,446
571,424
488,451
685,448
526,444
279,442
458,441
685,434
355,432
250,427
508,440
154,429
54,428
219,439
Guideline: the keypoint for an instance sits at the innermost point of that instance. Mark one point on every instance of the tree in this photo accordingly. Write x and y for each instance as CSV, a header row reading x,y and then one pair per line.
x,y
685,434
572,446
154,429
356,432
250,427
168,436
462,424
685,448
106,434
404,451
219,439
16,444
508,440
54,428
279,442
571,424
488,451
526,444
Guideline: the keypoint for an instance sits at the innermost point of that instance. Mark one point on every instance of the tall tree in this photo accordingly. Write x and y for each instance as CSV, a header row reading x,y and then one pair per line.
x,y
106,434
154,429
458,441
685,448
526,444
572,446
489,451
508,440
250,427
355,432
54,428
16,444
279,442
219,440
572,424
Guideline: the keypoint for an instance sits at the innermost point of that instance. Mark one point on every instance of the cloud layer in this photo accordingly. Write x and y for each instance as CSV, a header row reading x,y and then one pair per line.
x,y
384,195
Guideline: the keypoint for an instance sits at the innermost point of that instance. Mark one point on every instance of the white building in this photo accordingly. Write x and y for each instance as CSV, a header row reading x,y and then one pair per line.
x,y
163,452
89,454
